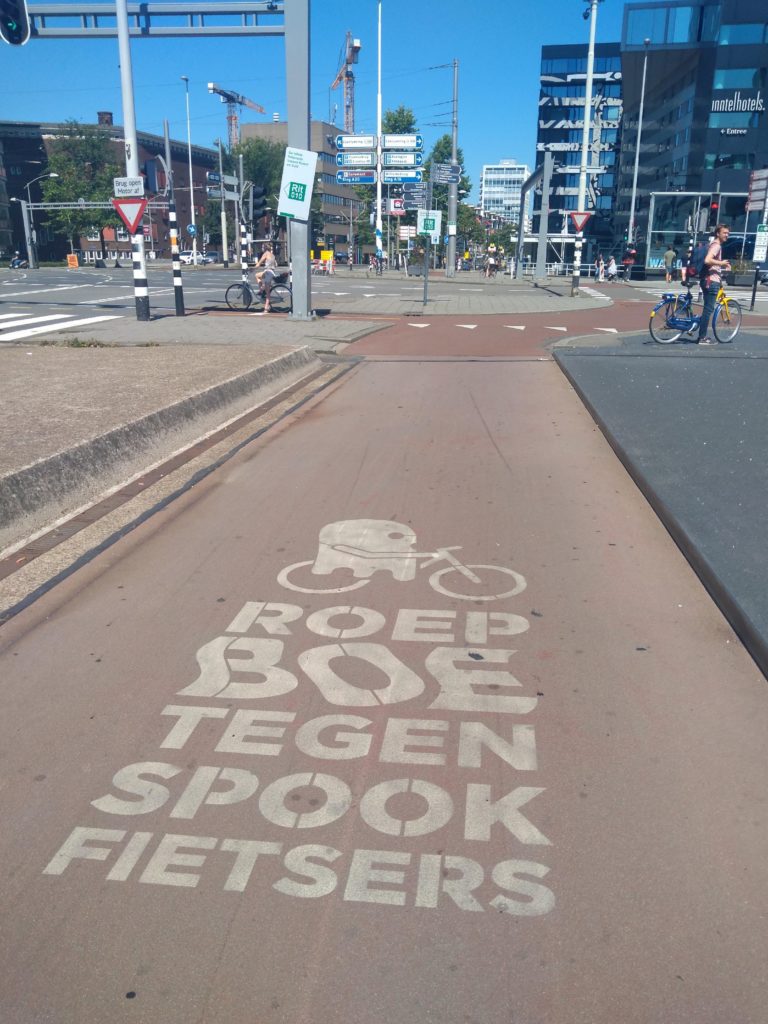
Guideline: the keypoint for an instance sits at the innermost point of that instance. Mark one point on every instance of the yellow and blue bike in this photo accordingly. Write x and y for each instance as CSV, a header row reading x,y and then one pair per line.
x,y
674,317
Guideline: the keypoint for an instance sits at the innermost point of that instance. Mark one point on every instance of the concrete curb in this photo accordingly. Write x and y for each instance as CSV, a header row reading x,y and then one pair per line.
x,y
103,460
754,641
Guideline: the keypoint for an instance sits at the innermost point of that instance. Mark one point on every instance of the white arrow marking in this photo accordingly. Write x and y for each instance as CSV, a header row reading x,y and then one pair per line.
x,y
512,327
468,327
548,328
608,330
418,325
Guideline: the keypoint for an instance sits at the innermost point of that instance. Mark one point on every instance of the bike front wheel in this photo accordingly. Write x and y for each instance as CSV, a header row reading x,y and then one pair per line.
x,y
238,296
662,332
726,323
280,299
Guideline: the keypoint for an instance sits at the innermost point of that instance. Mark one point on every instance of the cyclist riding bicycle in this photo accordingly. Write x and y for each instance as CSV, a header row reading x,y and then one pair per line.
x,y
266,277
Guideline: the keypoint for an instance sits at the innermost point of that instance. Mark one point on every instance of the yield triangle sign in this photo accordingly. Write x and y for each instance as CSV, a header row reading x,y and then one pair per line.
x,y
579,220
131,211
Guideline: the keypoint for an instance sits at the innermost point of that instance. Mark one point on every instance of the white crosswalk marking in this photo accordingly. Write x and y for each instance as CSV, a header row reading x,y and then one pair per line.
x,y
26,320
17,335
418,325
514,327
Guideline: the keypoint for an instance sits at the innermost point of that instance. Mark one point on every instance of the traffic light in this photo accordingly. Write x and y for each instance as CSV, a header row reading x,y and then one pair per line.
x,y
149,173
259,203
14,22
714,211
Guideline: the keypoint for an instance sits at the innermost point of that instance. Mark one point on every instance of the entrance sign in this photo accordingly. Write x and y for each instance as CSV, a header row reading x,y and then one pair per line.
x,y
125,187
297,183
130,211
580,220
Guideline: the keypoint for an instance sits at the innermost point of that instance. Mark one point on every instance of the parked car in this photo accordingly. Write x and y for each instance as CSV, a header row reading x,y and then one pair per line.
x,y
762,273
212,256
188,255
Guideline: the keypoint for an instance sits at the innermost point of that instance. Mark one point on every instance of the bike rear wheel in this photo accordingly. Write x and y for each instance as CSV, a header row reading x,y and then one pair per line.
x,y
280,299
661,330
238,296
727,321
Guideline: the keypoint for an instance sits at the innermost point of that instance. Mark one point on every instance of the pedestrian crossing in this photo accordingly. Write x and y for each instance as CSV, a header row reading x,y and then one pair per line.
x,y
17,326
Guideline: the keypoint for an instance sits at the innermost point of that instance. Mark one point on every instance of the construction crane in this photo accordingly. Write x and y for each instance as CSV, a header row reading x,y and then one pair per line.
x,y
233,101
347,75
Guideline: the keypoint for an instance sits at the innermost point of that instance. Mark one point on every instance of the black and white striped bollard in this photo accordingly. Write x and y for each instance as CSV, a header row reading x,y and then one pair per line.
x,y
178,289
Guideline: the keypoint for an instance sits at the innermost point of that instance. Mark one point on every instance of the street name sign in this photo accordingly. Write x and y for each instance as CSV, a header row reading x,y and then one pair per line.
x,y
580,219
402,142
130,211
128,187
356,141
297,183
353,177
356,159
401,177
402,159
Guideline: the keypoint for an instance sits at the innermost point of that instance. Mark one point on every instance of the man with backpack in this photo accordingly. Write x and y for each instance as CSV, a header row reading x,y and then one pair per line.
x,y
708,263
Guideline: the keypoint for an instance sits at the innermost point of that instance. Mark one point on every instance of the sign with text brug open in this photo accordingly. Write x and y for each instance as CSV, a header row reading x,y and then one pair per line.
x,y
297,183
315,748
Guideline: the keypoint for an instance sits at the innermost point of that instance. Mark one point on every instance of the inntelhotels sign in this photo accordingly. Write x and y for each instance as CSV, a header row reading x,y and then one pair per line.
x,y
737,102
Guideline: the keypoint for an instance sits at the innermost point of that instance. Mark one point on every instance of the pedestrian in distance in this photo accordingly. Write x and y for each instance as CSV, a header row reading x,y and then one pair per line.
x,y
711,280
600,266
611,271
669,263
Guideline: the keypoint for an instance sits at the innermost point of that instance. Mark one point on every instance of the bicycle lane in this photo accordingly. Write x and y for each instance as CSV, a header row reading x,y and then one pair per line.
x,y
225,799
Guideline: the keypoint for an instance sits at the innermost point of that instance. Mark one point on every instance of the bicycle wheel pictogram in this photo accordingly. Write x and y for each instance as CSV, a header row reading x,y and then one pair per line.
x,y
486,577
284,581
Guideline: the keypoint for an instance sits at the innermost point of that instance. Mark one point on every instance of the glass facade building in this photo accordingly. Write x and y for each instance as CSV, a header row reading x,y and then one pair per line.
x,y
561,124
704,121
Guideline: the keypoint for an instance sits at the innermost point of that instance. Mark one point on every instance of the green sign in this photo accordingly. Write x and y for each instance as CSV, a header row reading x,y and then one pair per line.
x,y
296,186
429,223
297,191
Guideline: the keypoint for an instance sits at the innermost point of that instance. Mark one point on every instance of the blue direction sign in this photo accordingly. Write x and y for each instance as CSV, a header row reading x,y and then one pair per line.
x,y
402,159
402,142
355,159
352,177
401,177
356,141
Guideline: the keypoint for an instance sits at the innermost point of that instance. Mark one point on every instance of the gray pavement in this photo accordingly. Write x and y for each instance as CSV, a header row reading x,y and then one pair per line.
x,y
690,426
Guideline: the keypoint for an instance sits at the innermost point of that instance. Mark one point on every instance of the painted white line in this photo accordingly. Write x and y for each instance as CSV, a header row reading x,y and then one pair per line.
x,y
9,316
468,327
37,291
419,325
27,320
549,328
16,335
514,327
608,330
470,289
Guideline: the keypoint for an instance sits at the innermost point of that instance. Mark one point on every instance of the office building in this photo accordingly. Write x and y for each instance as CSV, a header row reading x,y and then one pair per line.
x,y
704,123
500,187
560,129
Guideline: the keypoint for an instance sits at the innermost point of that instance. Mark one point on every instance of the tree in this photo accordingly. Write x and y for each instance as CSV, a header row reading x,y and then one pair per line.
x,y
399,122
84,159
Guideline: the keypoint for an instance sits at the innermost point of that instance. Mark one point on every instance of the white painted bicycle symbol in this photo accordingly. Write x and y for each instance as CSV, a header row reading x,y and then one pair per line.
x,y
367,546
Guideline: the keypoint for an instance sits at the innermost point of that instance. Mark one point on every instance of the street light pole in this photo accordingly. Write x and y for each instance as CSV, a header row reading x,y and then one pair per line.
x,y
379,220
453,189
185,80
631,229
582,197
32,247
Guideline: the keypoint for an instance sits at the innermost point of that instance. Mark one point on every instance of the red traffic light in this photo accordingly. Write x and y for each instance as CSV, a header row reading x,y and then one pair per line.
x,y
714,206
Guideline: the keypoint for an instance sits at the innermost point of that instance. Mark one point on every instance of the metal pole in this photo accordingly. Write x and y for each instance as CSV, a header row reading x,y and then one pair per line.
x,y
581,201
379,224
541,249
27,229
140,288
426,269
297,62
185,80
224,246
32,247
631,228
178,288
453,191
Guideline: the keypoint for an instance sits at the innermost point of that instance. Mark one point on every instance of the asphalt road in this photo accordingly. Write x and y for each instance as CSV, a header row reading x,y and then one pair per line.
x,y
275,758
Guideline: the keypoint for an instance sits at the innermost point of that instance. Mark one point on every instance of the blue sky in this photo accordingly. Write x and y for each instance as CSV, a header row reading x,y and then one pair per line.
x,y
497,42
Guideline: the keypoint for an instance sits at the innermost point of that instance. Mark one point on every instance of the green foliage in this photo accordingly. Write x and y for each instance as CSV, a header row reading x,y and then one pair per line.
x,y
441,154
262,164
399,122
469,228
84,158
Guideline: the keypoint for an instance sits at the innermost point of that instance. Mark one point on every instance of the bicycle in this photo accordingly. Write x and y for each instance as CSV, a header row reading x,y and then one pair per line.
x,y
241,295
680,319
436,580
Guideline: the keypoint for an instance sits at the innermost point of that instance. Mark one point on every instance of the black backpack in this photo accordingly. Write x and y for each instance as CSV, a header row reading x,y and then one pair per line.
x,y
696,266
